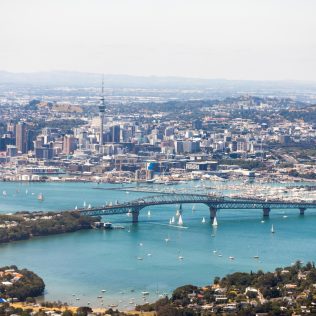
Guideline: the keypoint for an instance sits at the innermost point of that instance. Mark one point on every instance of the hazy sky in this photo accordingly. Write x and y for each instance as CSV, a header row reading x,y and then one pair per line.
x,y
232,39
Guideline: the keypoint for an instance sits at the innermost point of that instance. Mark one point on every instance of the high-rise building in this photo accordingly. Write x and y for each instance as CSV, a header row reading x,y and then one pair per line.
x,y
11,128
197,124
116,133
101,113
30,136
69,144
21,137
178,146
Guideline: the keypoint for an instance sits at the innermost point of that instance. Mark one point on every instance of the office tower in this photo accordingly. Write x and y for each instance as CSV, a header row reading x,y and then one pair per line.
x,y
11,128
101,113
21,137
116,134
69,144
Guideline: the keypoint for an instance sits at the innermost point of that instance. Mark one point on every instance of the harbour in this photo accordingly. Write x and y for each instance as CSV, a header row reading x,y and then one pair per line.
x,y
86,262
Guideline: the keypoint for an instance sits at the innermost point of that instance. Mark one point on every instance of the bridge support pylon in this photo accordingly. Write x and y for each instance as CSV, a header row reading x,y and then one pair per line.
x,y
266,211
135,215
213,211
302,210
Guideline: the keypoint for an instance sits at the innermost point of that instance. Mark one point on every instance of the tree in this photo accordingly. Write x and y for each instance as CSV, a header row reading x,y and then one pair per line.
x,y
84,311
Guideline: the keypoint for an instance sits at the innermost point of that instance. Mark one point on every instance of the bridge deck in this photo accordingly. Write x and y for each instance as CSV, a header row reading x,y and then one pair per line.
x,y
211,201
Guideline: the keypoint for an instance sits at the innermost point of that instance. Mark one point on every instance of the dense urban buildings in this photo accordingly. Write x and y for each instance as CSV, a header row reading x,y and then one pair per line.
x,y
93,138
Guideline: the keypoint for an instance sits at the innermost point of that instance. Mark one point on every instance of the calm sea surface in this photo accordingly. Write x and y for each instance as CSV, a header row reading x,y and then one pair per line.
x,y
79,265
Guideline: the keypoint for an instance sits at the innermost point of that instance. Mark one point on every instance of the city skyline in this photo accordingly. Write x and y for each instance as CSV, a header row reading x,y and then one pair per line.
x,y
248,40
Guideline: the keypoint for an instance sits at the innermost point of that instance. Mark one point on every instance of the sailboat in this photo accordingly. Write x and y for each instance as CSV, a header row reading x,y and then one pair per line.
x,y
148,214
215,224
172,220
180,221
178,213
203,220
256,256
272,229
4,193
40,197
84,204
89,206
76,207
193,208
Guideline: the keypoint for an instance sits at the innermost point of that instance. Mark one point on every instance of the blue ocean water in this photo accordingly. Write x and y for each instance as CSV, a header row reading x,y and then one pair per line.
x,y
81,264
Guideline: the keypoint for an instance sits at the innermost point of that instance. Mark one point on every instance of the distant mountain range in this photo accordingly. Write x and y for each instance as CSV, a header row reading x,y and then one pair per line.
x,y
81,79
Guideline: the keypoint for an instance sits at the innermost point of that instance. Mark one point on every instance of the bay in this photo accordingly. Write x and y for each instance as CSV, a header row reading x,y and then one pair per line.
x,y
81,264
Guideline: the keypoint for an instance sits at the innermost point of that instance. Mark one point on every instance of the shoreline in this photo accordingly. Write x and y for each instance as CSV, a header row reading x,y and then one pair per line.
x,y
37,308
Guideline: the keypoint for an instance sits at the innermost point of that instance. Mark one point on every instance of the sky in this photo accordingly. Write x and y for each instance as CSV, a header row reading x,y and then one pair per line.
x,y
228,39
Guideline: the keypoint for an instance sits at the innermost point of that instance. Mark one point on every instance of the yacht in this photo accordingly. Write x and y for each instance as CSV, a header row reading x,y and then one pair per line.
x,y
180,221
215,224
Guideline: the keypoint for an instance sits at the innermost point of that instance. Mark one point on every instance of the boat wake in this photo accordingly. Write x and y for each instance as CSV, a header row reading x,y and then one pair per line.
x,y
173,226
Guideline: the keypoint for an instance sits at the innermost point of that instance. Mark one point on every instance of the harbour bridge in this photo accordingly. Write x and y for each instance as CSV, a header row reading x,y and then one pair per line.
x,y
214,203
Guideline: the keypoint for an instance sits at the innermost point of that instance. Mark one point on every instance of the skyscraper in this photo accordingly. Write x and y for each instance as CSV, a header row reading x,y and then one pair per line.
x,y
116,133
101,113
69,144
21,137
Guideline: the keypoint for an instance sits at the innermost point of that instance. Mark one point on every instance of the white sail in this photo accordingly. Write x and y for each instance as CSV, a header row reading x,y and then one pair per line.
x,y
148,214
272,229
215,222
203,220
180,221
76,207
172,220
89,206
178,213
84,204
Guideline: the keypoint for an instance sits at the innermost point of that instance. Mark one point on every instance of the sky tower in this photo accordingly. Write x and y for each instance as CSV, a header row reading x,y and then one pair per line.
x,y
101,113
